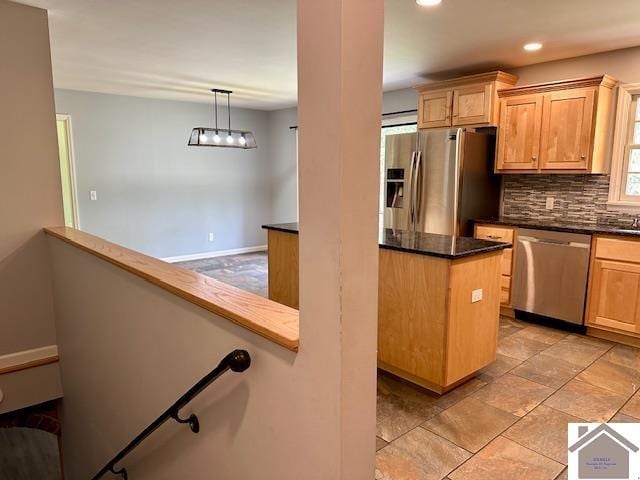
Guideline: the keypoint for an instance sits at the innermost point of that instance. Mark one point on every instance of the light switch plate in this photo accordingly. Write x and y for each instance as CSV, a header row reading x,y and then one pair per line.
x,y
93,195
476,295
550,203
211,236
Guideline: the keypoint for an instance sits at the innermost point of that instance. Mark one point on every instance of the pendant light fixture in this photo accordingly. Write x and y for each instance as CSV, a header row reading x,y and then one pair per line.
x,y
221,137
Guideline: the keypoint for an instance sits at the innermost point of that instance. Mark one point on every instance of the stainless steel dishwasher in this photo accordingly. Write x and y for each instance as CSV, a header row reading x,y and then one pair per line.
x,y
550,275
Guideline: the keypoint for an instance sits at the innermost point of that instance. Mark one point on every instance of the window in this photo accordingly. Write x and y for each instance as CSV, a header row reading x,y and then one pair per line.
x,y
625,171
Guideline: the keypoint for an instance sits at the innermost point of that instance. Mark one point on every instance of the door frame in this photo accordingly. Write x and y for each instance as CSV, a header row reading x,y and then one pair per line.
x,y
66,118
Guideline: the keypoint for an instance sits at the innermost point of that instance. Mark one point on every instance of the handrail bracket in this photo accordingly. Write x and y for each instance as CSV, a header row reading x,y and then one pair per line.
x,y
192,420
122,472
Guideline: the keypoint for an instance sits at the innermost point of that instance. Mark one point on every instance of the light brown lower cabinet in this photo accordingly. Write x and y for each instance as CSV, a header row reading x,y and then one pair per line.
x,y
614,286
430,332
498,233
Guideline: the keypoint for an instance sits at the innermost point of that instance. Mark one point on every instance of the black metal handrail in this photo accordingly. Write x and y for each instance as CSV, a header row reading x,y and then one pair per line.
x,y
236,361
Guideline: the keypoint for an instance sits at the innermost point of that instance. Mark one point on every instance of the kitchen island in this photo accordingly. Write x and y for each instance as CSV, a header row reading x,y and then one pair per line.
x,y
438,301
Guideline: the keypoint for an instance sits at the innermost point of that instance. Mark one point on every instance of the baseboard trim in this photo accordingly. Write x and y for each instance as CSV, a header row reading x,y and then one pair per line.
x,y
28,358
218,253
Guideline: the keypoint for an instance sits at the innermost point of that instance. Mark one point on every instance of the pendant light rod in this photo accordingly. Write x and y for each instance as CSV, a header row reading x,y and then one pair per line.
x,y
216,91
229,109
215,96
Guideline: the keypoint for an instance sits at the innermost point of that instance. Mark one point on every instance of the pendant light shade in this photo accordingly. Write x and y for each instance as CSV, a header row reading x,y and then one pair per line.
x,y
221,137
210,137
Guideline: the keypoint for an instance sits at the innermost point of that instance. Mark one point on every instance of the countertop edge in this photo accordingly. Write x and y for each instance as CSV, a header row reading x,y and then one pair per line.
x,y
579,229
286,228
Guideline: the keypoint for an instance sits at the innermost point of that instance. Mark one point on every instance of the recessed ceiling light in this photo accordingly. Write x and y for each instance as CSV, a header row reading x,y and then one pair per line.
x,y
428,3
532,47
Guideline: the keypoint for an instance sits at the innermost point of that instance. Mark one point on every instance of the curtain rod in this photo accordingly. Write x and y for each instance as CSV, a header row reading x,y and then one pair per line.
x,y
400,112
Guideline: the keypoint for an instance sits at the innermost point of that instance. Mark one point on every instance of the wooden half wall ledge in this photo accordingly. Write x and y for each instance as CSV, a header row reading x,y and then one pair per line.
x,y
37,357
271,320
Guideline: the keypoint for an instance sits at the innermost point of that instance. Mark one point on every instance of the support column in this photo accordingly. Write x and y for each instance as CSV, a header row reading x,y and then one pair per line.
x,y
340,47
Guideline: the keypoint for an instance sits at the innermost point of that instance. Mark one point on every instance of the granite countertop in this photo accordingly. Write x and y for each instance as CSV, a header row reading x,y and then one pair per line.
x,y
430,244
557,226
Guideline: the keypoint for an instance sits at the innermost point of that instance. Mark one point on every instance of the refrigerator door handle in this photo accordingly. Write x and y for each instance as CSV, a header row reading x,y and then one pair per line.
x,y
412,193
418,182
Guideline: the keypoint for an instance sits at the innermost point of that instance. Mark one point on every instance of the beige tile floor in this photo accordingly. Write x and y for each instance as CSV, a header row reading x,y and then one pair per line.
x,y
510,422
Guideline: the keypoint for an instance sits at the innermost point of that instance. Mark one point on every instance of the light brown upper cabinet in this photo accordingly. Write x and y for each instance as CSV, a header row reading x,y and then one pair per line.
x,y
435,109
470,100
556,127
566,129
519,127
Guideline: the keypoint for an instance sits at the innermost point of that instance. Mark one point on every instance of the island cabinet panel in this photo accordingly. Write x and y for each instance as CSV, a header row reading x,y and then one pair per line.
x,y
519,133
556,127
412,314
472,335
614,286
566,129
430,331
283,268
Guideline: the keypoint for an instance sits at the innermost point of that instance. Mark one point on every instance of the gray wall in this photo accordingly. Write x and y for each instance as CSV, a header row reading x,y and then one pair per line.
x,y
160,197
155,194
284,172
283,151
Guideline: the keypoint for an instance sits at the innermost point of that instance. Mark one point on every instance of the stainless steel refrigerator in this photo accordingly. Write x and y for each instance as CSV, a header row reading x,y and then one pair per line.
x,y
438,181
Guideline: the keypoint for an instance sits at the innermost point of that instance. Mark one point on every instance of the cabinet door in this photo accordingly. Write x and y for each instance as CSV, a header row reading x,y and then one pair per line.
x,y
472,105
519,133
613,296
566,129
435,109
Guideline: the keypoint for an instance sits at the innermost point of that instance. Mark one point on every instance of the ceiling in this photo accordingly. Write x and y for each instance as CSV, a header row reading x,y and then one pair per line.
x,y
180,49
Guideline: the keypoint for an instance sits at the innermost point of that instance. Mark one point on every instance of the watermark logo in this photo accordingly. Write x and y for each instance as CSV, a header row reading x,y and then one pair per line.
x,y
604,451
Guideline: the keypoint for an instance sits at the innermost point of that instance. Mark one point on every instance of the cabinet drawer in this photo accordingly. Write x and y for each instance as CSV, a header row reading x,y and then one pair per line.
x,y
505,290
505,297
507,261
618,249
497,234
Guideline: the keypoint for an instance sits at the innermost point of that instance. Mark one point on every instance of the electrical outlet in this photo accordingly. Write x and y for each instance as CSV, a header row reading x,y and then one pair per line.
x,y
211,237
550,203
93,195
476,295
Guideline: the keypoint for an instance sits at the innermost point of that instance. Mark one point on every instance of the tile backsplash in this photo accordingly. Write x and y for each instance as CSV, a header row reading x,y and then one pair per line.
x,y
579,199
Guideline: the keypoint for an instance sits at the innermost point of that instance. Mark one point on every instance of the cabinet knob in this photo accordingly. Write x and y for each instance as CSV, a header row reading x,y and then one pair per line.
x,y
582,157
534,158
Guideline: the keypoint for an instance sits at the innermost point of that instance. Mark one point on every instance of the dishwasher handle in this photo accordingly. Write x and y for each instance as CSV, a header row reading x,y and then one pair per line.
x,y
548,241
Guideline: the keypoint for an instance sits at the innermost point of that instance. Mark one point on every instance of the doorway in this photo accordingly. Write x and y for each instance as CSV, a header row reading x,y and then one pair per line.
x,y
67,171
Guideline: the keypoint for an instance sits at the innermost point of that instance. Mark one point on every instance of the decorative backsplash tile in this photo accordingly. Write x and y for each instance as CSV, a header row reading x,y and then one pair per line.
x,y
579,199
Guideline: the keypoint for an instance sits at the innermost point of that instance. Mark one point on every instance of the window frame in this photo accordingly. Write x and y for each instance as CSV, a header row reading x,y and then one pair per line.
x,y
628,96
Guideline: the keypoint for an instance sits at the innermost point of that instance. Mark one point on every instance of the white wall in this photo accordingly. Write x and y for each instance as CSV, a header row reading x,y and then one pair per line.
x,y
157,195
129,349
30,192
